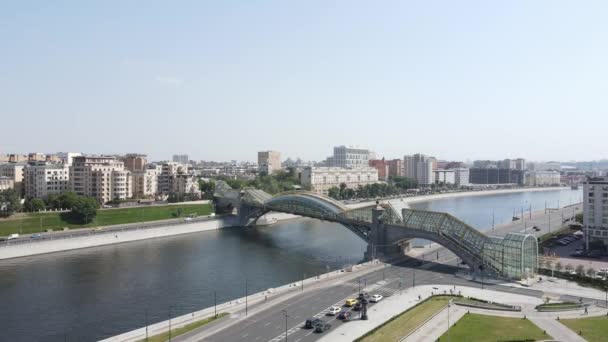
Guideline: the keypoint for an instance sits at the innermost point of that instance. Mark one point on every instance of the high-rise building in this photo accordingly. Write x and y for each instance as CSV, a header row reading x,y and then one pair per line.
x,y
43,179
135,161
181,158
350,157
382,166
420,168
395,168
520,164
321,179
102,177
269,162
595,208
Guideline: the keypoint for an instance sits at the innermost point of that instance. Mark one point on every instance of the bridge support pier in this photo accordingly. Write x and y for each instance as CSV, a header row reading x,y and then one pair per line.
x,y
379,246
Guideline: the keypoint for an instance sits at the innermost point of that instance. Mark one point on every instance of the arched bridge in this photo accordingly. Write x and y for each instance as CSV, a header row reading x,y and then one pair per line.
x,y
383,228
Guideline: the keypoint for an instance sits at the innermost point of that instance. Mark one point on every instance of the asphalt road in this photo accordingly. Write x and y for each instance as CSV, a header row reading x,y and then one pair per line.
x,y
270,324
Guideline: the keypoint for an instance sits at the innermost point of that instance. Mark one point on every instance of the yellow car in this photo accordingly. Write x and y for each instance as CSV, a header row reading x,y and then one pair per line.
x,y
350,302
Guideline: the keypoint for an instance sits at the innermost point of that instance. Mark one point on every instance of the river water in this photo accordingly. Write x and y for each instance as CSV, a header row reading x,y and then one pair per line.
x,y
95,293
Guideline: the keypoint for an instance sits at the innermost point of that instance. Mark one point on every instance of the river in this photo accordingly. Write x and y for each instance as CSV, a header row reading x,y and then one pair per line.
x,y
90,294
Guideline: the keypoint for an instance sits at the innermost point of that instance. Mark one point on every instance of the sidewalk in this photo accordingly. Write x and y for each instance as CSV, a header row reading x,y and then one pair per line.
x,y
438,325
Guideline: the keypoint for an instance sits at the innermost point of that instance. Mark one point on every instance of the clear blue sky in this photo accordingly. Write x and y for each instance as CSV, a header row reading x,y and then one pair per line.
x,y
221,80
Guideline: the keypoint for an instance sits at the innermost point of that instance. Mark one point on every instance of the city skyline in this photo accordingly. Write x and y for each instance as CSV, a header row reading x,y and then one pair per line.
x,y
465,80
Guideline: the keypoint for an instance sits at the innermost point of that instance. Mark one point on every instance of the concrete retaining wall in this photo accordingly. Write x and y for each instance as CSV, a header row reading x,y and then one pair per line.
x,y
107,238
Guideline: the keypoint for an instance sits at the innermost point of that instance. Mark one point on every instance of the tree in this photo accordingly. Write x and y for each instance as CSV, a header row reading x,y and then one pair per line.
x,y
568,268
67,200
34,204
579,218
334,193
342,188
559,266
591,272
207,188
580,270
10,202
84,209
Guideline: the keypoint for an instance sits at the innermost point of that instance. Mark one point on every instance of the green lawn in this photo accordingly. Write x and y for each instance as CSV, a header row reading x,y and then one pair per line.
x,y
179,331
595,329
38,222
479,328
407,321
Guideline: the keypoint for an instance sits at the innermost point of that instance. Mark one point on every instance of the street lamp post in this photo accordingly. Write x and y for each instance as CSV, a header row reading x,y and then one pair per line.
x,y
286,316
245,297
169,322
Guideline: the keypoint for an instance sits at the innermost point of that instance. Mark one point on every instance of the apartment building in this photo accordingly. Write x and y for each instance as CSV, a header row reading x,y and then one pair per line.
x,y
6,183
135,162
420,168
595,208
543,178
181,158
14,171
461,176
175,178
382,166
145,182
321,179
102,177
269,162
67,157
43,179
350,157
496,176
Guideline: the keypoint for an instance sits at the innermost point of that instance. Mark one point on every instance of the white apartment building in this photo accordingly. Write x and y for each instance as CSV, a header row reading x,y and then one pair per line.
x,y
321,179
445,176
175,178
461,176
595,208
67,157
6,183
41,180
145,182
350,157
14,171
420,168
543,178
102,177
269,162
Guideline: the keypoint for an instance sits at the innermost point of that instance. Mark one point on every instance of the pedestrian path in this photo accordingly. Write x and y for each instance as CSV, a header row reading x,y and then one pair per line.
x,y
438,325
557,330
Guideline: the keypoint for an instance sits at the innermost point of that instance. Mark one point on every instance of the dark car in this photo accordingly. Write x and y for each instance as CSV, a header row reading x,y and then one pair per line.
x,y
578,253
321,327
345,315
536,228
357,306
312,322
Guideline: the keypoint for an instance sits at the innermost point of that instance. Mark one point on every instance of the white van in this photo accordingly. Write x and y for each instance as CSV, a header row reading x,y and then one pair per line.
x,y
13,236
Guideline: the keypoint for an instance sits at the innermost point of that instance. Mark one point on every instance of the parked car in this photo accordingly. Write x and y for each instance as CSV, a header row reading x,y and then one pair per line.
x,y
578,253
312,322
322,327
35,236
13,236
344,315
376,298
334,310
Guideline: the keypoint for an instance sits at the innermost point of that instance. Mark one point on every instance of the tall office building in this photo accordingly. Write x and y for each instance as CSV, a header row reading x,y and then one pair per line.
x,y
420,168
595,207
102,177
269,162
181,158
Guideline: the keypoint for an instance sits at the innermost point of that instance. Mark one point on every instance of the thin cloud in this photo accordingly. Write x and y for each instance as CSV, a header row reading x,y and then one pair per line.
x,y
169,80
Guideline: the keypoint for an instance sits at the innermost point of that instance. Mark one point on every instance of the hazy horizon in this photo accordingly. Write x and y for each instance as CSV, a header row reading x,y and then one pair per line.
x,y
220,81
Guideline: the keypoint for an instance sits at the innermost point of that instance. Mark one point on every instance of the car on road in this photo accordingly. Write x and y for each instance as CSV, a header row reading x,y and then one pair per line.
x,y
312,322
344,315
536,228
13,236
350,302
334,310
578,253
376,298
188,219
35,236
322,327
